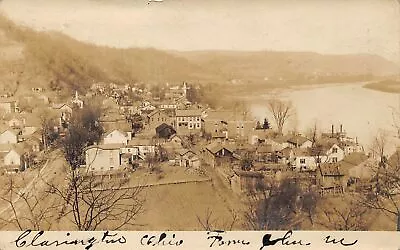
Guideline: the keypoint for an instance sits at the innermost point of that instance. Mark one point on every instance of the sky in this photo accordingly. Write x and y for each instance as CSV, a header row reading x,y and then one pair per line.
x,y
323,26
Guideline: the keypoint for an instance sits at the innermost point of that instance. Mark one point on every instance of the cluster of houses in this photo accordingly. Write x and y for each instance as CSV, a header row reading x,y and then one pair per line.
x,y
188,135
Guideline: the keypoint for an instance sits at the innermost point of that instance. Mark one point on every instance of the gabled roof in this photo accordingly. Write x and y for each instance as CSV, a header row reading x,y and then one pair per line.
x,y
183,152
139,141
216,147
163,126
188,112
116,130
298,140
111,146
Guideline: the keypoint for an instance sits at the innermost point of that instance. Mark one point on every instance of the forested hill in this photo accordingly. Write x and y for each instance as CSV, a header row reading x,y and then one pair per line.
x,y
31,58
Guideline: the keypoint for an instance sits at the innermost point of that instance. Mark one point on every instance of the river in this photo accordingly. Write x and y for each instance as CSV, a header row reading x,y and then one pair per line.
x,y
363,112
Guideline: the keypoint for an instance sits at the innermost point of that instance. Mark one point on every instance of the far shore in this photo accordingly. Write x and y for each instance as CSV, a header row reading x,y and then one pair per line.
x,y
388,86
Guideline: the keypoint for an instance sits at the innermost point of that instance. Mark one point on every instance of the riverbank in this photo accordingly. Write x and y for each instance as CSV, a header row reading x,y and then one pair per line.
x,y
388,86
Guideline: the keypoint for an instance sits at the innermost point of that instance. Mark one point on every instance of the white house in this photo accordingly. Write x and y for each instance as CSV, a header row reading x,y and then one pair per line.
x,y
334,154
12,158
188,121
144,146
117,137
103,157
306,159
8,136
302,159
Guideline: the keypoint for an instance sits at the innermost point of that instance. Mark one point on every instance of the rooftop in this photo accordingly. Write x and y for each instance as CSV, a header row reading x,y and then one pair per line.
x,y
188,112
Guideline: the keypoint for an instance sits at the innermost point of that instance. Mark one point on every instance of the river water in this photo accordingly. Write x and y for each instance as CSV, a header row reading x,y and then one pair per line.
x,y
363,112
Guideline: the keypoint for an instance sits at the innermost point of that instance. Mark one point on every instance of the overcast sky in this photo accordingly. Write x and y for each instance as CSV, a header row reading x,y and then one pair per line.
x,y
324,26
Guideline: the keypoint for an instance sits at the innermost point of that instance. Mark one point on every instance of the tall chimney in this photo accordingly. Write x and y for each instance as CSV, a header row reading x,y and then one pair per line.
x,y
333,129
341,128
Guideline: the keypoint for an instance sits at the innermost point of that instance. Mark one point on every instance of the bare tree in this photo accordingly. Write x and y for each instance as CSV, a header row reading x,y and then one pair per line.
x,y
47,122
384,192
281,111
93,202
343,214
26,208
209,222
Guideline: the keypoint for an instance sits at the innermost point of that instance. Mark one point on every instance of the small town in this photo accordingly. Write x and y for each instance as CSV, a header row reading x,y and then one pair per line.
x,y
140,136
169,116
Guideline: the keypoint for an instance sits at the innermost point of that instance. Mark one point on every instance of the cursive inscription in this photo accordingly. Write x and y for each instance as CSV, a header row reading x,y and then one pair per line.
x,y
160,240
218,240
283,240
29,239
328,240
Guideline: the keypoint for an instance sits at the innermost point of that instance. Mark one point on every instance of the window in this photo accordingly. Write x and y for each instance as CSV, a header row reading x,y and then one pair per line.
x,y
198,125
302,161
334,159
318,160
334,150
198,119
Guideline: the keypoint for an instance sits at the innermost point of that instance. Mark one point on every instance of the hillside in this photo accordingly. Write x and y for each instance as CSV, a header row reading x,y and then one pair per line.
x,y
53,56
388,85
31,58
298,66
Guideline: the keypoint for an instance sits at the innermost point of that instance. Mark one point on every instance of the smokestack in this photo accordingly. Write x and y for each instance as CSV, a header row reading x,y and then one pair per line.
x,y
333,129
356,140
341,128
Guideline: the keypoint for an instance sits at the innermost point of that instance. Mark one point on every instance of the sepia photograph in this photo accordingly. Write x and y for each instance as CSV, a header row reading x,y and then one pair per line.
x,y
191,115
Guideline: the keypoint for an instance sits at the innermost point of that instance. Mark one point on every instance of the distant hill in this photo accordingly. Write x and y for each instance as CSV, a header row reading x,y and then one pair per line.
x,y
30,58
388,85
291,65
52,56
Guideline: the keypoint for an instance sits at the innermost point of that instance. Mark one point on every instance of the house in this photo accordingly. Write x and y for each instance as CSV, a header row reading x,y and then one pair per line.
x,y
229,123
358,169
8,105
64,113
264,153
330,179
279,142
334,153
114,120
188,121
299,141
188,159
351,147
158,117
11,158
302,159
8,136
144,146
259,136
165,131
15,120
105,157
216,154
117,137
